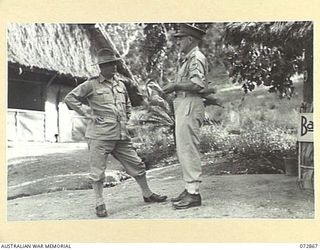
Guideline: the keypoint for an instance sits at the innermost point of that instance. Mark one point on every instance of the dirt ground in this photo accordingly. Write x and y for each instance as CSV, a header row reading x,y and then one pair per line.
x,y
272,196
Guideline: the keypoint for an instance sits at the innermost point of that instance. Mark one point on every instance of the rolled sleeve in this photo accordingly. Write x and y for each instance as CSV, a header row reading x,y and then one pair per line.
x,y
197,72
76,98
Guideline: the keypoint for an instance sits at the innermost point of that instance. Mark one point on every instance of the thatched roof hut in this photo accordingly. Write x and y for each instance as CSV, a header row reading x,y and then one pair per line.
x,y
65,49
62,48
45,61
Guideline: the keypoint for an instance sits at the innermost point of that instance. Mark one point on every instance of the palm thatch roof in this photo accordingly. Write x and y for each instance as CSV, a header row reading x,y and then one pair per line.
x,y
63,48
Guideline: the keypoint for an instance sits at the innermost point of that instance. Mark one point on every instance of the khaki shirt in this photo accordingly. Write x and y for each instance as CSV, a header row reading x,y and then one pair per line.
x,y
193,67
110,107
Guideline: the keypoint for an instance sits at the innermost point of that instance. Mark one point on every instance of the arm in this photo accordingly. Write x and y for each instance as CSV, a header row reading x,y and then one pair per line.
x,y
192,87
181,86
196,82
212,100
74,99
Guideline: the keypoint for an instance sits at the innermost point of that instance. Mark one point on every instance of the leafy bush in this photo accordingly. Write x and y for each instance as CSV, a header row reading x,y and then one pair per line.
x,y
258,139
259,136
154,143
266,139
214,138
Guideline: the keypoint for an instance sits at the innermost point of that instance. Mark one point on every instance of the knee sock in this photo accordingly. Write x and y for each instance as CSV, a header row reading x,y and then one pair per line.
x,y
142,182
192,187
98,192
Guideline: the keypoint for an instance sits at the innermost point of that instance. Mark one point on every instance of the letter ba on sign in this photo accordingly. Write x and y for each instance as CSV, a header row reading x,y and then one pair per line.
x,y
305,129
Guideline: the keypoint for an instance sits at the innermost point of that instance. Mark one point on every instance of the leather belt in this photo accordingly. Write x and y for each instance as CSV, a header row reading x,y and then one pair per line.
x,y
107,115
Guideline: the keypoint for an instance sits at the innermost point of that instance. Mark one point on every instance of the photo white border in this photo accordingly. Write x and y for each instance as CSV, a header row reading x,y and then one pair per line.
x,y
209,230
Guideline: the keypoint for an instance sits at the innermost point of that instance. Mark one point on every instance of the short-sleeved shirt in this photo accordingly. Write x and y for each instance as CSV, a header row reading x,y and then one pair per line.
x,y
193,67
109,104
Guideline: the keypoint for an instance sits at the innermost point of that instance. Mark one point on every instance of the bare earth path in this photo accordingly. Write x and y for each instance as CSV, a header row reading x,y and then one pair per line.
x,y
224,196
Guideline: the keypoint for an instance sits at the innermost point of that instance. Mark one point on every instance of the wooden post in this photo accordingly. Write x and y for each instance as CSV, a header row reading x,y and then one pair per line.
x,y
306,149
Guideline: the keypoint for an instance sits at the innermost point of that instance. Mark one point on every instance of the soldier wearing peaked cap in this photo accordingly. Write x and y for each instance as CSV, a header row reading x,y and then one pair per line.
x,y
189,112
190,30
106,129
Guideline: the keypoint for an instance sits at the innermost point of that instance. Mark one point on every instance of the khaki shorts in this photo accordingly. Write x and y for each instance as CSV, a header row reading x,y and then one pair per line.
x,y
123,151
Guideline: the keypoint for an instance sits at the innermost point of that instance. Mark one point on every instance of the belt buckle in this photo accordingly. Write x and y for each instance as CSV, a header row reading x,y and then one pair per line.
x,y
181,94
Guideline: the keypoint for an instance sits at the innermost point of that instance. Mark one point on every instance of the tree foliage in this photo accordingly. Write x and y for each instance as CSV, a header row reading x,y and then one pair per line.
x,y
155,45
268,53
253,53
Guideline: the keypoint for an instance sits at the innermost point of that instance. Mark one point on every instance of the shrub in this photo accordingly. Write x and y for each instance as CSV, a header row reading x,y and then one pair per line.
x,y
214,138
266,139
256,139
154,143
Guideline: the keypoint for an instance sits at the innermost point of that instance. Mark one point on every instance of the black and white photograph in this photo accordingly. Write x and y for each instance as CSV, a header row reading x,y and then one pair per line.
x,y
160,121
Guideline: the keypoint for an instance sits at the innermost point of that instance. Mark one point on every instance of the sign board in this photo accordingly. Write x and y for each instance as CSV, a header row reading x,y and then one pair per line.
x,y
305,129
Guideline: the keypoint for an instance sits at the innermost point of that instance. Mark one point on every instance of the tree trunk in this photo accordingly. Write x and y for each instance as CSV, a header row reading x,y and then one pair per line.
x,y
308,81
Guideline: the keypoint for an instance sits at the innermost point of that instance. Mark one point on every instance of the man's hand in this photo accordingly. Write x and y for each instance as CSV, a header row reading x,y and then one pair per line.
x,y
212,100
91,117
170,87
208,91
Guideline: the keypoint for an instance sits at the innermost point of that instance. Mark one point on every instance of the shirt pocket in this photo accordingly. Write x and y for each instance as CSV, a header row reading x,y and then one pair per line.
x,y
120,95
104,96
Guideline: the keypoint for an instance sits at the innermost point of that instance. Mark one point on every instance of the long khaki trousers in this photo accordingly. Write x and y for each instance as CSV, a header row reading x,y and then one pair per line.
x,y
189,116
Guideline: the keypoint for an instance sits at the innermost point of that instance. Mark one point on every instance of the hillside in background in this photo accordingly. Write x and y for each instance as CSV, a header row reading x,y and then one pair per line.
x,y
258,105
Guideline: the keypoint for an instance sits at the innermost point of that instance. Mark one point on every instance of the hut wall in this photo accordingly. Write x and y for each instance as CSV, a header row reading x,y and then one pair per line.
x,y
25,108
51,112
71,126
25,125
36,111
25,94
62,124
